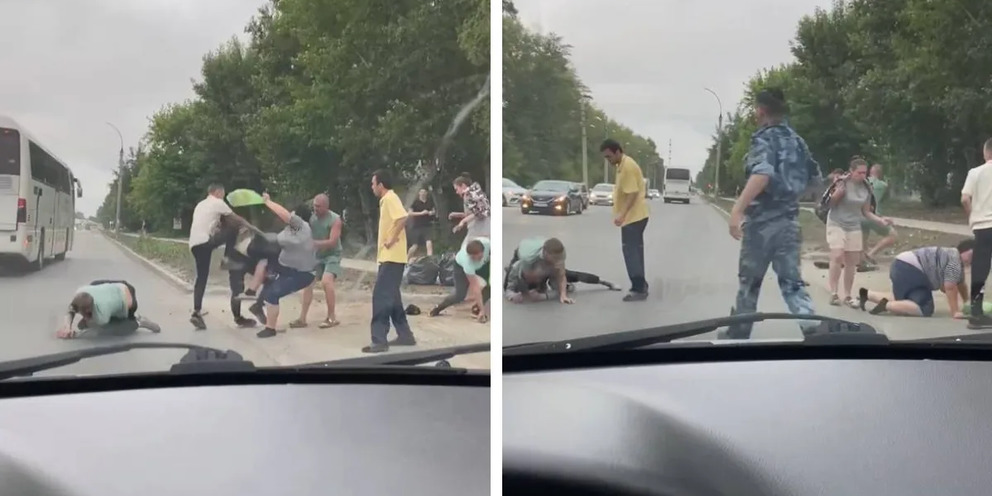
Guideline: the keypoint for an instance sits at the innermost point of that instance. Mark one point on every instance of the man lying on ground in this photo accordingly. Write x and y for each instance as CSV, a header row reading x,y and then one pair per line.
x,y
916,274
523,285
107,305
541,258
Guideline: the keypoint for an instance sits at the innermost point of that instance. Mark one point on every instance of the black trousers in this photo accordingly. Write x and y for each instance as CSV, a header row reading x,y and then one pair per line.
x,y
981,264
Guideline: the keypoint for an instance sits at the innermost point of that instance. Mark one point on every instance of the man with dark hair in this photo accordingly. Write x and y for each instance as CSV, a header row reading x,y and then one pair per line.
x,y
916,274
976,197
387,301
107,305
541,258
765,217
526,285
204,238
630,214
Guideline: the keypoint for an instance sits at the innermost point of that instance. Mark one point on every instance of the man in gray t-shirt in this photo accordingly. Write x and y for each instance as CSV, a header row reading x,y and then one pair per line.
x,y
296,241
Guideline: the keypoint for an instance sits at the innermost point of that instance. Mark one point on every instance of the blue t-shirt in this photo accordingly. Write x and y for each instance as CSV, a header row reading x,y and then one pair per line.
x,y
463,259
108,302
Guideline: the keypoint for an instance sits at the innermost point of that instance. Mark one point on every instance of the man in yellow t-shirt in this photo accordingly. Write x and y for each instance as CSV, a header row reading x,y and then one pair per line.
x,y
630,214
387,302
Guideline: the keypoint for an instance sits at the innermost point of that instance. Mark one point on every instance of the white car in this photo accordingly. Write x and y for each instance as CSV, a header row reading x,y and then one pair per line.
x,y
653,193
601,194
512,193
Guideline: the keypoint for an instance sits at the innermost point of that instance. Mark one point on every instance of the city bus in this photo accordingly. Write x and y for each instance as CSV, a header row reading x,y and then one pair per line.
x,y
37,200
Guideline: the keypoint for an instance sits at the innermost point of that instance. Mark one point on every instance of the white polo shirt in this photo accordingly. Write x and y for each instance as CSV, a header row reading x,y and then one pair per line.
x,y
206,219
978,185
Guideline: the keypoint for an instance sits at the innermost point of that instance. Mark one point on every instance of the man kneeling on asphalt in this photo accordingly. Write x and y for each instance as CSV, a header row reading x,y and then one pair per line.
x,y
523,284
107,305
916,274
541,258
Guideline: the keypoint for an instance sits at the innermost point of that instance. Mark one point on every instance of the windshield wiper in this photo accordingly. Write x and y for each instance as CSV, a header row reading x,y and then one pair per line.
x,y
199,359
440,355
830,331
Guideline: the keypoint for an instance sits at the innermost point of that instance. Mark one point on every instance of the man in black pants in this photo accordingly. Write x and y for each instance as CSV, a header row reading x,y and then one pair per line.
x,y
522,285
976,197
630,214
205,236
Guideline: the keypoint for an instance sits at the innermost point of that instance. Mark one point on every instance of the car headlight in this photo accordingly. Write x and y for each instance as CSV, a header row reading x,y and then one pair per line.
x,y
561,198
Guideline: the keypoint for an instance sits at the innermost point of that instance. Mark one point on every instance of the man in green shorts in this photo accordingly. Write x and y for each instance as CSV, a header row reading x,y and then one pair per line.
x,y
880,188
326,227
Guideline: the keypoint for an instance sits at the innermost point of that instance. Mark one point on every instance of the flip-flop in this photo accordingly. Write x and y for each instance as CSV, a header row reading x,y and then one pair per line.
x,y
298,324
328,323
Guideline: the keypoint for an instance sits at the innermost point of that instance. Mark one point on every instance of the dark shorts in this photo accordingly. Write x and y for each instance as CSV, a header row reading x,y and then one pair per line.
x,y
419,236
910,283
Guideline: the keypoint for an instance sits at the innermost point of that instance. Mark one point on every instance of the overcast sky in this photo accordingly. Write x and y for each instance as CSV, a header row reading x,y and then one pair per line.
x,y
70,66
647,61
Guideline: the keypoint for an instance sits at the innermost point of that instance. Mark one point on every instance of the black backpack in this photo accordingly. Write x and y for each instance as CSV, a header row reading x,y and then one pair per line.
x,y
823,206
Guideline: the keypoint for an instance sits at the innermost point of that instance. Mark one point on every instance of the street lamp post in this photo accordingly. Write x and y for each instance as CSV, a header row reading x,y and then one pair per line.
x,y
120,178
719,140
585,144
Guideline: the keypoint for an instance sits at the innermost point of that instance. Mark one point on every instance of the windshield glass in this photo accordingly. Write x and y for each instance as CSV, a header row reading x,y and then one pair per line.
x,y
843,76
177,121
507,183
552,186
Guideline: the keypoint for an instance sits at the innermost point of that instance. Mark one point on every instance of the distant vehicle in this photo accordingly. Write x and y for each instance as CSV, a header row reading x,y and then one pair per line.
x,y
37,200
677,184
512,193
552,197
584,193
654,194
601,194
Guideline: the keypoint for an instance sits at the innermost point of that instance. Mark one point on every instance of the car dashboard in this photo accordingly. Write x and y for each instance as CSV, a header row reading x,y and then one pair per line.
x,y
777,427
297,439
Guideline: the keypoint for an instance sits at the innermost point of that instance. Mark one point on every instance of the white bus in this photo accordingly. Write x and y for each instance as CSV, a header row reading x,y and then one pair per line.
x,y
37,200
678,185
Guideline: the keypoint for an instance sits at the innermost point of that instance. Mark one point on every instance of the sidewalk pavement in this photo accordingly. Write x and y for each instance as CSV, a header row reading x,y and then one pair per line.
x,y
354,309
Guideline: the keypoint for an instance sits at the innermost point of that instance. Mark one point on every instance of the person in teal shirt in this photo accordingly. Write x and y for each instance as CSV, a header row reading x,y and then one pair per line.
x,y
105,305
471,279
540,257
880,188
326,226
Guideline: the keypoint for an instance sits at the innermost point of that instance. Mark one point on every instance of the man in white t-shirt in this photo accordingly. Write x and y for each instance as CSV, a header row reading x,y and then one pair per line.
x,y
203,240
976,197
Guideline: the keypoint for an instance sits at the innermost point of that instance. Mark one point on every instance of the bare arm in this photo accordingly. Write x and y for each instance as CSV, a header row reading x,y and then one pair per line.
x,y
332,239
951,290
277,209
867,212
966,203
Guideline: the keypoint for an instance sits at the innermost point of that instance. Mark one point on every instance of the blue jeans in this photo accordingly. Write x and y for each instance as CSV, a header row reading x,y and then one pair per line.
x,y
632,241
288,282
387,303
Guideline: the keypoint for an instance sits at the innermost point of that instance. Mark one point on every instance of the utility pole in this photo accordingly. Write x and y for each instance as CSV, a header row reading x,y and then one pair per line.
x,y
719,142
606,163
120,179
585,144
669,151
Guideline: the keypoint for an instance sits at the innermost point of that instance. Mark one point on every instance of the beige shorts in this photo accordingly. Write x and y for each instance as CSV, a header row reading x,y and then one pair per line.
x,y
839,239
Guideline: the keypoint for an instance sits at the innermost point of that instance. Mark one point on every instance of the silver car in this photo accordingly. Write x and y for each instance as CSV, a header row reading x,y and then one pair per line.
x,y
512,193
601,194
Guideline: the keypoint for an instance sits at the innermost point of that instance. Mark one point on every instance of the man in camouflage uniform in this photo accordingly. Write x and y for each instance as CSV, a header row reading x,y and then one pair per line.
x,y
765,217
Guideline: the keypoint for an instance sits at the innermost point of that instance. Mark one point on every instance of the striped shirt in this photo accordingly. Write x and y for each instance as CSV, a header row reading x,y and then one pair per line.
x,y
940,265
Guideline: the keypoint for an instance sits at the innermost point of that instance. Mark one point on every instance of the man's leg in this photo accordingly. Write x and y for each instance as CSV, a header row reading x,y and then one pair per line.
x,y
328,280
237,283
574,276
981,263
201,258
381,310
785,262
307,299
632,239
404,335
456,296
752,266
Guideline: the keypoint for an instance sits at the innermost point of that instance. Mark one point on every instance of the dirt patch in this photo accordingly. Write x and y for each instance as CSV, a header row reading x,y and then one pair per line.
x,y
815,243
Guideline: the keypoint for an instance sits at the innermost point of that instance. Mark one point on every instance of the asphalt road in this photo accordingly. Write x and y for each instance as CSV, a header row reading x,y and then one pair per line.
x,y
35,302
691,268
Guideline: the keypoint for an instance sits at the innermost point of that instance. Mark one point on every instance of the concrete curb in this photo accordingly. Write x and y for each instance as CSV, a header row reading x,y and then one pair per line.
x,y
163,272
717,207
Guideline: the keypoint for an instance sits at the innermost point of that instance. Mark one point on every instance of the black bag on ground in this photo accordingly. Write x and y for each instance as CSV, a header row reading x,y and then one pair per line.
x,y
446,265
423,271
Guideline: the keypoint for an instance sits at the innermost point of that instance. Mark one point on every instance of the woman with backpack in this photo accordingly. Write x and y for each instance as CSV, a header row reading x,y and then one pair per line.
x,y
848,201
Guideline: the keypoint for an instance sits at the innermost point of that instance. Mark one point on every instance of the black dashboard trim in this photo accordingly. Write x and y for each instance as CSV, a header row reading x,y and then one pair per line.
x,y
736,352
422,376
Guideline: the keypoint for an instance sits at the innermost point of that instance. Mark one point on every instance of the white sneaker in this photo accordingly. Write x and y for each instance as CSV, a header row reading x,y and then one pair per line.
x,y
144,323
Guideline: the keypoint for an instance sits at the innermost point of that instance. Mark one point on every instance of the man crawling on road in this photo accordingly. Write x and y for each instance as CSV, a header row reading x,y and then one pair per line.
x,y
538,284
109,306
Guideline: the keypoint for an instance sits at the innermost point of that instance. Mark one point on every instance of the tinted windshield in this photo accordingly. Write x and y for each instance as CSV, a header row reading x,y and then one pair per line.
x,y
678,175
154,108
603,187
835,74
552,186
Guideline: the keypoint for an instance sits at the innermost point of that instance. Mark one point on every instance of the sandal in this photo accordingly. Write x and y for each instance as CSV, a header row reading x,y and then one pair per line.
x,y
298,324
329,323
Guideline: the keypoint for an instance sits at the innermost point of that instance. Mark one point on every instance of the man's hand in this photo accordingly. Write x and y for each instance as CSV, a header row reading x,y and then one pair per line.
x,y
389,243
517,298
618,220
566,300
734,225
458,227
265,197
66,332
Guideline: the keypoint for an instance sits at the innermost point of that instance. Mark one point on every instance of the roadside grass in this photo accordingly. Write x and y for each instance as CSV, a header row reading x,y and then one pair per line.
x,y
815,243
